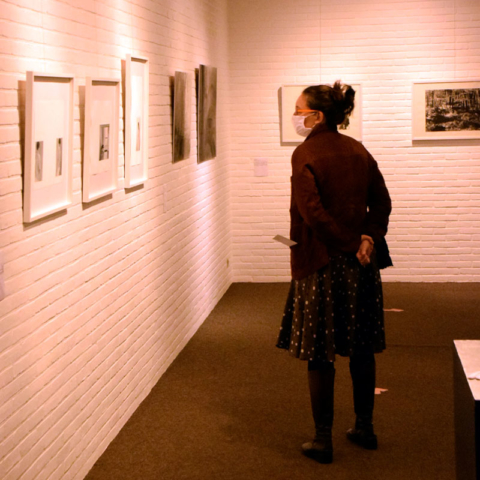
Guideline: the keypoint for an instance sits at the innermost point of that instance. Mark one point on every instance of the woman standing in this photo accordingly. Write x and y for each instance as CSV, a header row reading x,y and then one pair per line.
x,y
339,212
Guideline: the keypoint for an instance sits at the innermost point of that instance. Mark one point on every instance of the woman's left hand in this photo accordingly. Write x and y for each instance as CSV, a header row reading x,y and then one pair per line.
x,y
365,250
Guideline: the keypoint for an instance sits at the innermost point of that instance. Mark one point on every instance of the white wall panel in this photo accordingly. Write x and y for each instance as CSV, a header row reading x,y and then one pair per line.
x,y
384,45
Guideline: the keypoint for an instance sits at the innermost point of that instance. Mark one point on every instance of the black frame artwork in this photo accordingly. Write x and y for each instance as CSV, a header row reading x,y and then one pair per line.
x,y
181,117
207,113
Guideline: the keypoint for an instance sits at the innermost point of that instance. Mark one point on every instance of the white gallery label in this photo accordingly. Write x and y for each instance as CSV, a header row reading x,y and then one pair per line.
x,y
260,167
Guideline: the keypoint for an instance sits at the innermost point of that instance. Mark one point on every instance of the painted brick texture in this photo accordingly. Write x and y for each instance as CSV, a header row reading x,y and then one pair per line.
x,y
384,45
101,298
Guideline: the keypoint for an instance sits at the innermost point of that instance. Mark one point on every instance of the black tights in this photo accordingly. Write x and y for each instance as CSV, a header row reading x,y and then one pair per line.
x,y
362,370
321,379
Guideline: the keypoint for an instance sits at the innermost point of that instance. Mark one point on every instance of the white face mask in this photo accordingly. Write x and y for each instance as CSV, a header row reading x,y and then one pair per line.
x,y
299,125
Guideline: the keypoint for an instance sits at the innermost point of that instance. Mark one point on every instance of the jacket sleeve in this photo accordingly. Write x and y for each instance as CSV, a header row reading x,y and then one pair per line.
x,y
310,207
378,202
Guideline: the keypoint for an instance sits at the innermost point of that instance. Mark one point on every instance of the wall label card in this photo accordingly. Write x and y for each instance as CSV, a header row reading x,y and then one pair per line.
x,y
260,167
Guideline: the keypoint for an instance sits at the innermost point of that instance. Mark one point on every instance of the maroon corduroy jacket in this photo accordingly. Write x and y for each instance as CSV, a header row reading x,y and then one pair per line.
x,y
338,194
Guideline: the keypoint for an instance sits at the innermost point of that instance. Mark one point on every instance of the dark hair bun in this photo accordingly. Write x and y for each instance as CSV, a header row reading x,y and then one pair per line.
x,y
344,100
335,102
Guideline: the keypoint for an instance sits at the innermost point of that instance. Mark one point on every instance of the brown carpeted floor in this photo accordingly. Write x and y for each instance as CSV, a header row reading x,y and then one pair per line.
x,y
232,406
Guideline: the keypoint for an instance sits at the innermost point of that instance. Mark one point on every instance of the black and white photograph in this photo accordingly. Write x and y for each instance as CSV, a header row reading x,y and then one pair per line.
x,y
455,110
207,113
58,157
181,117
38,161
104,142
452,109
446,110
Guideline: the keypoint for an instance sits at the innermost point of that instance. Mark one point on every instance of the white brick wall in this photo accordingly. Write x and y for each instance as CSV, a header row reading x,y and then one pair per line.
x,y
101,299
385,45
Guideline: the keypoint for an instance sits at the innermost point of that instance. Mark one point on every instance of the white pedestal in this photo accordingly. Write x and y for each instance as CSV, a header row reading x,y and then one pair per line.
x,y
467,409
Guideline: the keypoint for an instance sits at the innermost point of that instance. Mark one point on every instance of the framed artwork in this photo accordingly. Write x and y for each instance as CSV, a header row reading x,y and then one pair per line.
x,y
181,116
289,94
100,163
207,113
136,121
48,145
446,110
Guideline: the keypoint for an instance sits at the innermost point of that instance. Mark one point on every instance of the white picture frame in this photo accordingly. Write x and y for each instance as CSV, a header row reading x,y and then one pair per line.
x,y
289,95
446,110
100,161
48,144
136,120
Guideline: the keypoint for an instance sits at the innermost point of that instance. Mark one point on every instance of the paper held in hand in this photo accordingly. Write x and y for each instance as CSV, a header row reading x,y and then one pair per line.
x,y
286,241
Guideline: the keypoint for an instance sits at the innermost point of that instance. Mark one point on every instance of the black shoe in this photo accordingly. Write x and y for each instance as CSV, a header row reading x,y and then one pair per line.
x,y
363,435
320,449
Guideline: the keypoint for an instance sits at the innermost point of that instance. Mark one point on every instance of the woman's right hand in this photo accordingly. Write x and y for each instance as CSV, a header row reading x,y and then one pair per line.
x,y
365,250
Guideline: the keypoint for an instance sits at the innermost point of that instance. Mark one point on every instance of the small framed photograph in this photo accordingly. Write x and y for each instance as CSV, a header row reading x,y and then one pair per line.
x,y
104,143
100,162
289,94
136,120
446,110
207,113
181,116
48,145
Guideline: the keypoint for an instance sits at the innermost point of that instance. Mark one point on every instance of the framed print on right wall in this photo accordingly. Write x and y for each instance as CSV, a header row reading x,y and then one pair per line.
x,y
446,110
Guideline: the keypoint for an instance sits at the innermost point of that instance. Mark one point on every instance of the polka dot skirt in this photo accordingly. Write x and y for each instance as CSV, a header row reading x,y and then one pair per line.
x,y
337,310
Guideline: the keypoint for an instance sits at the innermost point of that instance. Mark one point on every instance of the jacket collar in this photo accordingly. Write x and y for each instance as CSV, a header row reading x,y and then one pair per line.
x,y
319,128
